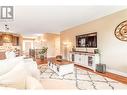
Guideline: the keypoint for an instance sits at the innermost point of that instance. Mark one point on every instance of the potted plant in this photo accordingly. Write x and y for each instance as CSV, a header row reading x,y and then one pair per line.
x,y
43,52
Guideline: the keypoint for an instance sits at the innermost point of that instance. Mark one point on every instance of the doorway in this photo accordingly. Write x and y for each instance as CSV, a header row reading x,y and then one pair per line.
x,y
27,44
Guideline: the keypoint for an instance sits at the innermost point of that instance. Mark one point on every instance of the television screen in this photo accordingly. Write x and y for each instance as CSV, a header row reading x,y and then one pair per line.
x,y
87,40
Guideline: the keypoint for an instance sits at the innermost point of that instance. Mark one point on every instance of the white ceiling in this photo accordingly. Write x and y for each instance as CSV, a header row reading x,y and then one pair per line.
x,y
41,19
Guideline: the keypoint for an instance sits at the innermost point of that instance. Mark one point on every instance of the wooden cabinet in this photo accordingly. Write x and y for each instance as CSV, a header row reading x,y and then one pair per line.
x,y
88,60
1,40
2,55
15,41
9,38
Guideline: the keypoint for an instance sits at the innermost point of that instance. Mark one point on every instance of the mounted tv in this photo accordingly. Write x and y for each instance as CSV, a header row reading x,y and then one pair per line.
x,y
87,40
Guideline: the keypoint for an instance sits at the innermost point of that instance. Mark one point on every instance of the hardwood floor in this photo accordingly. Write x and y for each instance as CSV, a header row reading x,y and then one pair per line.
x,y
113,76
116,77
39,61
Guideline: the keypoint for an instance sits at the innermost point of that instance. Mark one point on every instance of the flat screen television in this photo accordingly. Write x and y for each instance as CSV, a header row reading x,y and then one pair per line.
x,y
87,40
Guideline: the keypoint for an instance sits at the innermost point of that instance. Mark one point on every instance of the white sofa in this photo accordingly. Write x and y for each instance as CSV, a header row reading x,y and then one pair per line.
x,y
19,73
7,64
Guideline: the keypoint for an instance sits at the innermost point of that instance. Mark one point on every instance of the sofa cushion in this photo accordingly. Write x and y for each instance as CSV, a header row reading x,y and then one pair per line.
x,y
33,83
7,64
16,78
32,69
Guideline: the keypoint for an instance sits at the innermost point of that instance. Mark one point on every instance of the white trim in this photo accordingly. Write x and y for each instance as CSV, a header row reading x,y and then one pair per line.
x,y
30,41
117,72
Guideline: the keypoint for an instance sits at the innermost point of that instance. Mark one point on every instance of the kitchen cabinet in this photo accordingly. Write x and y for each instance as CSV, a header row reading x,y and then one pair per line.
x,y
9,38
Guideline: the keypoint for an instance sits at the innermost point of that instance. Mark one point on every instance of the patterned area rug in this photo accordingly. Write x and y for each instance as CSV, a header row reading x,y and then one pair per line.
x,y
83,80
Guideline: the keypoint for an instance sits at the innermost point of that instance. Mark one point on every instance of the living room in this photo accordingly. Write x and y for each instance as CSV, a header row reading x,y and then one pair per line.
x,y
68,36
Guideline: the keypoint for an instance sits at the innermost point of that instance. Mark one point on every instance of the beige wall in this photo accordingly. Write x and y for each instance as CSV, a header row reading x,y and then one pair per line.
x,y
52,41
113,51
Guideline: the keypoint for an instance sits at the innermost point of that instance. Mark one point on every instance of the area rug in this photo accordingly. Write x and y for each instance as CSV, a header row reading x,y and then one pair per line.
x,y
82,79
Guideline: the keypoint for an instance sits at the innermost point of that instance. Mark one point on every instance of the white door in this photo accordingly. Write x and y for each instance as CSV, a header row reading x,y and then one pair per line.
x,y
27,44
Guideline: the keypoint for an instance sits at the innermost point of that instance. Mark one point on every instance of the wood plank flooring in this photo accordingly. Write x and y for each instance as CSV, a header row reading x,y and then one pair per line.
x,y
39,61
113,76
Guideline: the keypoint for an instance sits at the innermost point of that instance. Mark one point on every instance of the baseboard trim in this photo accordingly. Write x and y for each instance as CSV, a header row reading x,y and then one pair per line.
x,y
117,72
